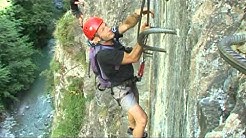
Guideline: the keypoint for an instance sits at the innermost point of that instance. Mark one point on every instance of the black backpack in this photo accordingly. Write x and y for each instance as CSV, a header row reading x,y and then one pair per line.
x,y
96,68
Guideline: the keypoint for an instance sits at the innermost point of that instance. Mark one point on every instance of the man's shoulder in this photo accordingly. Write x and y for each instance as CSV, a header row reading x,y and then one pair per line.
x,y
105,50
108,51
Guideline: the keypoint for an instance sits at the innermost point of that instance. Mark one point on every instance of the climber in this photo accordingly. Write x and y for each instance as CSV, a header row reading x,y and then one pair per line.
x,y
75,10
123,87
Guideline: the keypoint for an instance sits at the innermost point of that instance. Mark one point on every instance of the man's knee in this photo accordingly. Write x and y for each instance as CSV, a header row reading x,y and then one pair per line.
x,y
142,120
139,115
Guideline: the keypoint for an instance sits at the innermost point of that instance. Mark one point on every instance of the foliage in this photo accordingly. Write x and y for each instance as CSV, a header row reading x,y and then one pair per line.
x,y
37,18
49,75
2,110
72,105
66,5
4,79
73,101
81,58
69,124
64,31
16,65
76,86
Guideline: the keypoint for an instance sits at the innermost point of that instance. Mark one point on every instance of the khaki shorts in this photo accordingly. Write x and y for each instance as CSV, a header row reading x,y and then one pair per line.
x,y
126,96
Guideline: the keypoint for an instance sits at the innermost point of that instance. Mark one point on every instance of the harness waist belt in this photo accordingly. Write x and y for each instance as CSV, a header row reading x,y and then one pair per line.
x,y
127,82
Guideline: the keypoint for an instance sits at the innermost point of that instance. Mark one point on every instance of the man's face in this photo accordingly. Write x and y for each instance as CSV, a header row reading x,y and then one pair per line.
x,y
105,32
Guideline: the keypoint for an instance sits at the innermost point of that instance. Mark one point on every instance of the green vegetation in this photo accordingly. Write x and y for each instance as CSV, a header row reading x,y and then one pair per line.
x,y
49,75
65,30
17,55
37,17
72,104
76,86
25,27
73,109
80,57
66,5
16,64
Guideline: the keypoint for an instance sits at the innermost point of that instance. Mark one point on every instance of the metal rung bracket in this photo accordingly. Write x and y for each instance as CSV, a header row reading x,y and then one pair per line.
x,y
154,30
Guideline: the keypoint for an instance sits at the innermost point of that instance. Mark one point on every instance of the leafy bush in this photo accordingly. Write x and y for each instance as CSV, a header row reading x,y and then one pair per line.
x,y
65,30
69,124
38,18
17,68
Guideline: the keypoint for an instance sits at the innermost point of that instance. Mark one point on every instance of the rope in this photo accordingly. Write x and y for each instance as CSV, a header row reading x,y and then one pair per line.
x,y
140,19
148,6
142,6
142,64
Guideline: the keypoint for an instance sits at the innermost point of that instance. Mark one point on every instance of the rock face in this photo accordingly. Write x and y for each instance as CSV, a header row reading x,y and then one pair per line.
x,y
189,91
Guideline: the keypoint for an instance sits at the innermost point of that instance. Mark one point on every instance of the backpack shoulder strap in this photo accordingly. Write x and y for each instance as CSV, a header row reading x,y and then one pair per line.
x,y
99,68
94,62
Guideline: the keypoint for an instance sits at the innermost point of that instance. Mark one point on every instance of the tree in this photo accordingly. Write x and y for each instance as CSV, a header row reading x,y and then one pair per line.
x,y
16,65
4,80
37,18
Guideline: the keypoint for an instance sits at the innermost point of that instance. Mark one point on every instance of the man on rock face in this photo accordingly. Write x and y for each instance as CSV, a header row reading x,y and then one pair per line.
x,y
123,87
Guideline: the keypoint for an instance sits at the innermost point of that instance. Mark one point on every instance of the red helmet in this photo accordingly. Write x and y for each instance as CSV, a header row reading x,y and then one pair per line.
x,y
91,26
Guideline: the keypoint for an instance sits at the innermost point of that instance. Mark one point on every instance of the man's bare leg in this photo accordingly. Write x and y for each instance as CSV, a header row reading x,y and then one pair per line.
x,y
131,121
140,118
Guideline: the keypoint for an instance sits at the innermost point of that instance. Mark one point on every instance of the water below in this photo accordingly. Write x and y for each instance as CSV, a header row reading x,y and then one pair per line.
x,y
32,116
